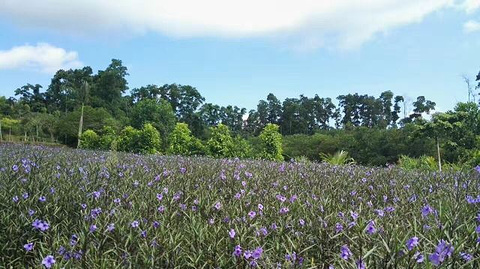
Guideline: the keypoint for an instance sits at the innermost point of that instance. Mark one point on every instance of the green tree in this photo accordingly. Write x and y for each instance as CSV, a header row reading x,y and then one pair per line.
x,y
159,113
149,141
128,139
220,144
89,140
181,140
272,143
108,87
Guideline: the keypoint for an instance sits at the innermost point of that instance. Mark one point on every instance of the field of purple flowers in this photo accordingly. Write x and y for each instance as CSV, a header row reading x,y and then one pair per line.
x,y
72,208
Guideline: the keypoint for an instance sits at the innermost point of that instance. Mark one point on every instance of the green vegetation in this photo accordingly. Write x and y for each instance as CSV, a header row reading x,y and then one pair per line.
x,y
375,131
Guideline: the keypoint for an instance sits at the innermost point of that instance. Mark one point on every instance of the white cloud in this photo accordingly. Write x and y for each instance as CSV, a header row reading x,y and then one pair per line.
x,y
42,57
471,26
307,23
471,5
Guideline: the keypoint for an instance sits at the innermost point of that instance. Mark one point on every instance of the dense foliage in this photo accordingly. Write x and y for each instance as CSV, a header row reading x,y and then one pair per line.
x,y
374,130
75,208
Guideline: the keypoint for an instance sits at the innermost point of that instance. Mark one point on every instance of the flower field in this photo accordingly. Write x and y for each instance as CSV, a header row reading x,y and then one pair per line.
x,y
72,208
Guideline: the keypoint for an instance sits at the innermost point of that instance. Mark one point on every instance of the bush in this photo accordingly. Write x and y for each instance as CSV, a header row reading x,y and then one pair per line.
x,y
89,140
107,138
272,143
128,139
180,140
427,163
339,158
220,144
241,148
149,141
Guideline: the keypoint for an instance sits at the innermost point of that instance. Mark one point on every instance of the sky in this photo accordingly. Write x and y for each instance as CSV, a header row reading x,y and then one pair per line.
x,y
237,52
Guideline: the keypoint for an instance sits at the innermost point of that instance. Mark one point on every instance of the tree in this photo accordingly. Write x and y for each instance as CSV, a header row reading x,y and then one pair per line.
x,y
94,119
274,109
30,95
107,138
159,113
128,139
421,105
66,92
108,87
220,144
272,143
438,128
89,140
181,140
149,141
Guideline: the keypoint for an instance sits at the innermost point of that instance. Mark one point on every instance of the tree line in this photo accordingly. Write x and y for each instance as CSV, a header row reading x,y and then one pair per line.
x,y
311,126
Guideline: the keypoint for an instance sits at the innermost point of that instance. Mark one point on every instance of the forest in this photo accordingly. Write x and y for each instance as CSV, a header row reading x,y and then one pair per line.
x,y
81,108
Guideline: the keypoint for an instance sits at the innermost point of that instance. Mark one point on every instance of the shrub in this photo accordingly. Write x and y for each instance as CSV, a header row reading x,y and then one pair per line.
x,y
180,140
89,140
241,148
107,138
339,158
272,143
128,139
220,144
149,141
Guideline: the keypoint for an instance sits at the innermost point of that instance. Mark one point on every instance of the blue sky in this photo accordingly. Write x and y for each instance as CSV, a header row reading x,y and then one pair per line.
x,y
404,46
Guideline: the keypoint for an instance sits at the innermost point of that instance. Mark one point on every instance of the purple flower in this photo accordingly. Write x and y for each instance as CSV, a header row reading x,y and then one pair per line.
x,y
15,199
247,254
380,212
25,195
418,257
284,210
93,228
237,252
161,209
40,225
301,222
28,247
135,224
257,253
281,198
293,198
73,240
48,261
345,252
442,251
361,264
231,233
156,224
260,207
252,214
217,206
116,200
427,210
412,242
159,196
111,227
42,199
95,212
354,215
143,233
466,257
371,229
338,227
262,231
31,212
